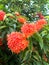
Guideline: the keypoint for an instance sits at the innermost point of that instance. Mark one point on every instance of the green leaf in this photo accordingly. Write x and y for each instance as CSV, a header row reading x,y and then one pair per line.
x,y
1,6
9,14
47,36
2,27
30,43
43,33
37,56
23,64
27,56
45,63
37,62
38,37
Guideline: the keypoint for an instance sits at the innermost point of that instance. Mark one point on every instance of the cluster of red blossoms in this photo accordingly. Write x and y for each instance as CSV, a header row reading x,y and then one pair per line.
x,y
40,24
28,29
17,41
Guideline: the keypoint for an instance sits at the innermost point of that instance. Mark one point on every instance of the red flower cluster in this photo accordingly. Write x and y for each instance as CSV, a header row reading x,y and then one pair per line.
x,y
28,29
40,23
2,14
16,42
0,41
21,19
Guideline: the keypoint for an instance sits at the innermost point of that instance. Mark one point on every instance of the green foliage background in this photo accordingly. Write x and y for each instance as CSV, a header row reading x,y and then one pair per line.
x,y
40,40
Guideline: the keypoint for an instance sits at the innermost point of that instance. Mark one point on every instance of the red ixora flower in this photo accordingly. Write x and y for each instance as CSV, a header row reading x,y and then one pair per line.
x,y
21,20
28,29
16,42
40,23
0,41
2,15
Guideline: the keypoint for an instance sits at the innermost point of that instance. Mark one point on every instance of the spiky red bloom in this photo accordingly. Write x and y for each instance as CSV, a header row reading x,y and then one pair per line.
x,y
28,29
0,41
21,19
2,14
40,23
16,42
